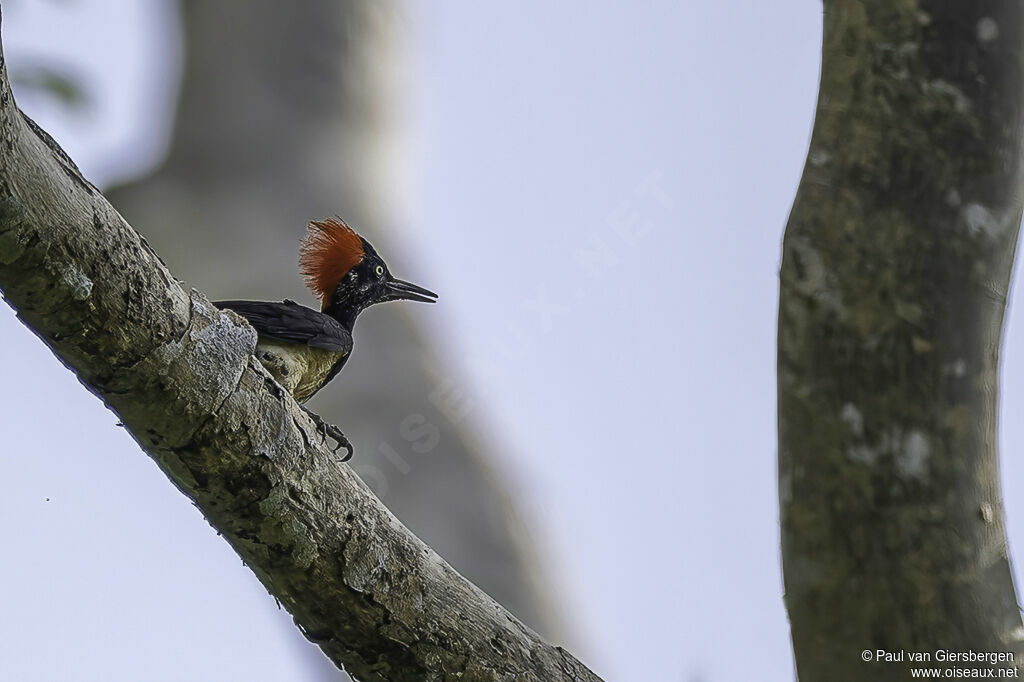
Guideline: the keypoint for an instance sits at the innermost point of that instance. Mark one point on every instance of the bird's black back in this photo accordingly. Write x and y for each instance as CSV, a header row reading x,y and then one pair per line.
x,y
289,321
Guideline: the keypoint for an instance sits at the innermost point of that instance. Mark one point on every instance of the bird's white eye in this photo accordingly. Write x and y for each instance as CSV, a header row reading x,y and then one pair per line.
x,y
380,270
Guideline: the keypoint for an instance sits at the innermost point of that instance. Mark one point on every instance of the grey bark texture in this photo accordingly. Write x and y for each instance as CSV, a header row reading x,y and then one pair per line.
x,y
290,111
896,265
181,377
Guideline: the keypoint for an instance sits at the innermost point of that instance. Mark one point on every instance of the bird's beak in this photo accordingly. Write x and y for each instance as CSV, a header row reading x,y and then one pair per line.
x,y
398,289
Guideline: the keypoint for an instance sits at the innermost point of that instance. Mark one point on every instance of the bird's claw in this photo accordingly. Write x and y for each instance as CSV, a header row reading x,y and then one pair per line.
x,y
334,433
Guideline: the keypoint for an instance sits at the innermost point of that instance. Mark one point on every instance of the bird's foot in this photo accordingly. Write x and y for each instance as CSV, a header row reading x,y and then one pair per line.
x,y
333,432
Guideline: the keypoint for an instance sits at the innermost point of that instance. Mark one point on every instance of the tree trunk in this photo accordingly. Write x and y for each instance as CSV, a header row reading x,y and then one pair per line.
x,y
288,112
896,264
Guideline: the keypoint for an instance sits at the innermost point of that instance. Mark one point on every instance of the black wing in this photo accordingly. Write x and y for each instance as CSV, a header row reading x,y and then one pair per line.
x,y
289,321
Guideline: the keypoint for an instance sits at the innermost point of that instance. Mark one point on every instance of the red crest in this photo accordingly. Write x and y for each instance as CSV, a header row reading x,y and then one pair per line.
x,y
331,248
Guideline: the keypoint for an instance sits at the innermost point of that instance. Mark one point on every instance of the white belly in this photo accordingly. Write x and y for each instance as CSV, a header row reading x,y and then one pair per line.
x,y
301,370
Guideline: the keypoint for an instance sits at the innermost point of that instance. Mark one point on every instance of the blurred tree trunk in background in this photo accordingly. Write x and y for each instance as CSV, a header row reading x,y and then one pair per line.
x,y
287,112
894,280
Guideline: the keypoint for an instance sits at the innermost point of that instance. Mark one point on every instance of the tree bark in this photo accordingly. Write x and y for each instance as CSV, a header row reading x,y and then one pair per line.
x,y
896,265
182,378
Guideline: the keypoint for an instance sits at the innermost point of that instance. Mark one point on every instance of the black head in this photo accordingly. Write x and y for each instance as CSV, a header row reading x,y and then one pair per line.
x,y
345,270
370,281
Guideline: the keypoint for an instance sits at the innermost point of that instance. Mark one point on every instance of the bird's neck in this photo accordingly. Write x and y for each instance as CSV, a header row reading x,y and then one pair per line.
x,y
345,313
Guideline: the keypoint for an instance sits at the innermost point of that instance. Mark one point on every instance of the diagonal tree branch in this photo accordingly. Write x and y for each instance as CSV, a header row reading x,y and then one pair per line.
x,y
181,377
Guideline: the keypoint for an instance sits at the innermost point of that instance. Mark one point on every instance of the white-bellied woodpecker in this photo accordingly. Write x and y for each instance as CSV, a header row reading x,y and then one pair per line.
x,y
303,348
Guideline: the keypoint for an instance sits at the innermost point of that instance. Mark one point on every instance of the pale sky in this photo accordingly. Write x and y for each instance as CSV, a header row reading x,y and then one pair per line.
x,y
604,186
